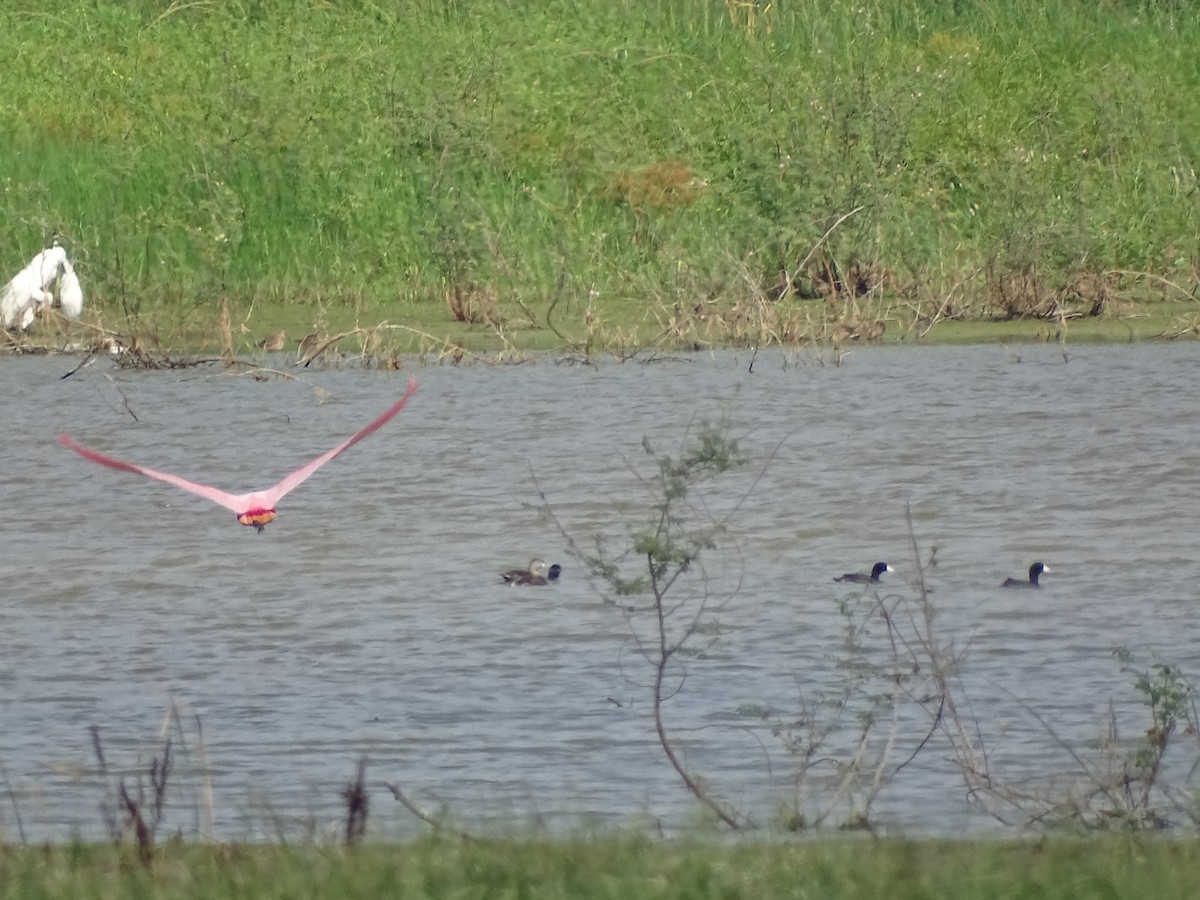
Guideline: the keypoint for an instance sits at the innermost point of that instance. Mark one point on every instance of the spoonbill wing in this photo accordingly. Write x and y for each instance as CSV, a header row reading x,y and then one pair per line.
x,y
237,502
273,495
255,500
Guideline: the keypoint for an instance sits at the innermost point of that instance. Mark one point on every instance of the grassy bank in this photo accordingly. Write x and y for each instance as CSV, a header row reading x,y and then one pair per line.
x,y
614,867
537,173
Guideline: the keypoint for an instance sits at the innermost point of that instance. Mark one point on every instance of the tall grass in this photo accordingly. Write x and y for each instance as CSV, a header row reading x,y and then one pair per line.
x,y
616,867
607,155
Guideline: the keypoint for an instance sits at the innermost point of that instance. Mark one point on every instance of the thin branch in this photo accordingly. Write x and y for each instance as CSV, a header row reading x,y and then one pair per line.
x,y
817,246
425,816
12,796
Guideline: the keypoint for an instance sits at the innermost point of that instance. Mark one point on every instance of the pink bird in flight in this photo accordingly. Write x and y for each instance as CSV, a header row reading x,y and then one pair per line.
x,y
256,508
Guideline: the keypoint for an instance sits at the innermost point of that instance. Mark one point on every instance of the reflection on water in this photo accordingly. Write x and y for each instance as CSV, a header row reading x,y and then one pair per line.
x,y
368,619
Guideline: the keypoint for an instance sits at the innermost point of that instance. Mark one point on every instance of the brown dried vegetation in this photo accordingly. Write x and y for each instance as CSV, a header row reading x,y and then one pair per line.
x,y
661,187
473,305
1025,292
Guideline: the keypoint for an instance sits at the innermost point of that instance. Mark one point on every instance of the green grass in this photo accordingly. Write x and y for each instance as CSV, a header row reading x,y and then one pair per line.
x,y
616,868
323,165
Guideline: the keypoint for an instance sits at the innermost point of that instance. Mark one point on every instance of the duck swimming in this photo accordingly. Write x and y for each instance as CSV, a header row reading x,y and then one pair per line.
x,y
536,574
551,575
863,578
1034,572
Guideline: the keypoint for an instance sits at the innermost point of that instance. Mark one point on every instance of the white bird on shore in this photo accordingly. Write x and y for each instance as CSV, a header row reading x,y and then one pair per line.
x,y
31,288
70,292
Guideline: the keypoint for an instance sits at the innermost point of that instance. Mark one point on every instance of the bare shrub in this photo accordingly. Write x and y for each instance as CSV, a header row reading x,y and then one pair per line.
x,y
849,742
473,305
1017,292
664,562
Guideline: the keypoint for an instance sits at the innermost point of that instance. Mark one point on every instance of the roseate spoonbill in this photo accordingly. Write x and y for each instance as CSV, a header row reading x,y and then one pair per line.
x,y
536,574
258,507
30,288
863,578
1035,572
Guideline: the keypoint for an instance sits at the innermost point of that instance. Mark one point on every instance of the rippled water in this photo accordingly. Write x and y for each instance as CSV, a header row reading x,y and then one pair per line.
x,y
368,620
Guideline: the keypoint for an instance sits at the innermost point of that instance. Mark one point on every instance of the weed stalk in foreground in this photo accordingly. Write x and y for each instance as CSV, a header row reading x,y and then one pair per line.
x,y
355,795
141,813
664,561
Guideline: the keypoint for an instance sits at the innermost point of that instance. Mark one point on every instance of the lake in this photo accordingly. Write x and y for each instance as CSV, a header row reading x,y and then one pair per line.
x,y
368,620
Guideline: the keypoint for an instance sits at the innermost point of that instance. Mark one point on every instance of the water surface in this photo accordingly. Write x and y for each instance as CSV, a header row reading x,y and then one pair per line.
x,y
368,619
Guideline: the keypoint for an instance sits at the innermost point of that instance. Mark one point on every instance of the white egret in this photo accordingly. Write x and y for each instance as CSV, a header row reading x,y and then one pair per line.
x,y
70,292
31,288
